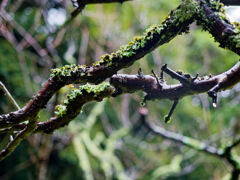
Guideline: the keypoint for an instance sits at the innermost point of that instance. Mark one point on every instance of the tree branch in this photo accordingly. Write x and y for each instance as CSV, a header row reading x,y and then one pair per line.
x,y
132,83
106,67
110,64
85,2
213,19
73,105
149,84
231,2
179,138
11,99
224,153
209,14
11,146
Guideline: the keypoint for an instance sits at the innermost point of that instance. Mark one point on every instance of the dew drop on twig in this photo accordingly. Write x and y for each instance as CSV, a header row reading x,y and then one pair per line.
x,y
214,105
11,138
143,104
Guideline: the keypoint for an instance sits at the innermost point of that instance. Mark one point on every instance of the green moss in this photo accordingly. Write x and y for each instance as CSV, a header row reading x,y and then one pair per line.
x,y
236,40
140,42
154,35
237,25
167,119
60,110
219,10
227,39
216,5
187,10
68,70
96,90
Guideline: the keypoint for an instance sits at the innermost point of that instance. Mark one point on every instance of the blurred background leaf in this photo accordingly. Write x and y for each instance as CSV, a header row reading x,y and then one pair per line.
x,y
107,140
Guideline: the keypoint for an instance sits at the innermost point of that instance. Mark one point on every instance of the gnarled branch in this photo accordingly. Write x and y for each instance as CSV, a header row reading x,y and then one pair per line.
x,y
209,14
149,84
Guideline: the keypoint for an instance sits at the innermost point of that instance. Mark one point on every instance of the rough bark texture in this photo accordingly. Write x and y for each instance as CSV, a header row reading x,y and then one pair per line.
x,y
208,14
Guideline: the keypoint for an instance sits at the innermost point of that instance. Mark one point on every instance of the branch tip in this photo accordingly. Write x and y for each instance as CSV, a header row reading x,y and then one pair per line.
x,y
140,73
164,67
167,118
175,75
213,94
157,79
161,76
193,79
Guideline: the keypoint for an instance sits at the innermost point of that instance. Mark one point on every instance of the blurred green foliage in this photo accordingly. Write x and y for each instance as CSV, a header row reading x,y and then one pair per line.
x,y
107,141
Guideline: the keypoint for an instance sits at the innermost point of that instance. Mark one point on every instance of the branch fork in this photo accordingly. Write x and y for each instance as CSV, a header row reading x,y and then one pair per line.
x,y
176,23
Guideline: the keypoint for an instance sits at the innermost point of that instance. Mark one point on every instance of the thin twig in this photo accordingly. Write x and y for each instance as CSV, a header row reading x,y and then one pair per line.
x,y
167,119
11,99
11,146
27,36
174,74
221,153
184,140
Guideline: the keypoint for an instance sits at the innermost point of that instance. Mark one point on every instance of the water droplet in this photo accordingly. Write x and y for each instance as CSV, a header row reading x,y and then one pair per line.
x,y
142,104
214,105
167,119
11,138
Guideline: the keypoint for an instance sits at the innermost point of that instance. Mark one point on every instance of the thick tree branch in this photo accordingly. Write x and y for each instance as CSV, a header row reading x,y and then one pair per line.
x,y
72,106
109,65
231,2
210,15
34,105
149,84
132,83
213,19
